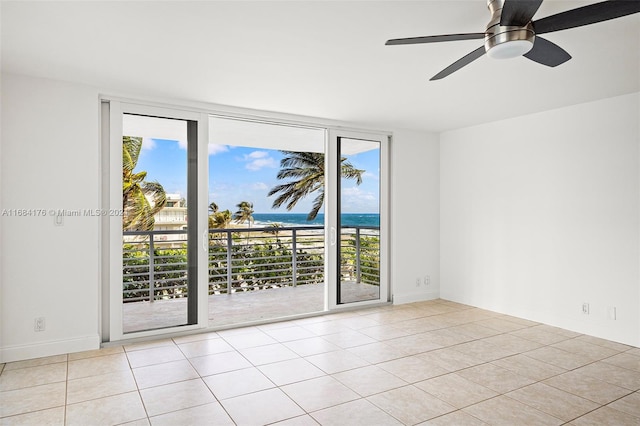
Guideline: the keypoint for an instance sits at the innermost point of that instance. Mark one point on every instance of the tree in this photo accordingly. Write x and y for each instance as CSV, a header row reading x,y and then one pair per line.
x,y
141,200
306,171
213,207
244,213
274,229
220,219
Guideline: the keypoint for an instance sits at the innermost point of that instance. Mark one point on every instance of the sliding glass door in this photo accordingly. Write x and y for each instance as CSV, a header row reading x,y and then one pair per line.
x,y
359,220
221,221
154,232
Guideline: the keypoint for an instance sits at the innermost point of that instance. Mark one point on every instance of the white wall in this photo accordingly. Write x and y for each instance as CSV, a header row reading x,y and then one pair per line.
x,y
415,234
49,161
530,216
541,213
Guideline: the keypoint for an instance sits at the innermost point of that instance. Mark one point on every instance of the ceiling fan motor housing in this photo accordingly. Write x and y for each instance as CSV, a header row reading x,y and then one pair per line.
x,y
505,42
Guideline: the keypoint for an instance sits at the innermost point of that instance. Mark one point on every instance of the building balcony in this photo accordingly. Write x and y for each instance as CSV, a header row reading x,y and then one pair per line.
x,y
254,274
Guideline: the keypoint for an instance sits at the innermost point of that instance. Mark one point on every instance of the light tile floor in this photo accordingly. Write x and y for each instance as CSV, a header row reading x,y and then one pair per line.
x,y
436,363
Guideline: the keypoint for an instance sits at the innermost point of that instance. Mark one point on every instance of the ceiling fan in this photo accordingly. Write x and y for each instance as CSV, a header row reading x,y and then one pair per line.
x,y
511,32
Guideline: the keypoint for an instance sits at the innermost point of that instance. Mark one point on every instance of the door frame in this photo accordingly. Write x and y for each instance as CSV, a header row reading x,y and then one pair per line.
x,y
112,320
332,200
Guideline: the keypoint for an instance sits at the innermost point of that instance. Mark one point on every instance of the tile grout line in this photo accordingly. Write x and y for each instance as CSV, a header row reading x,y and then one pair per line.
x,y
386,342
219,401
66,392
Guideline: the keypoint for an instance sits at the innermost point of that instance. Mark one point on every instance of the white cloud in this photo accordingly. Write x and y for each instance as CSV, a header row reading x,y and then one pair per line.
x,y
355,200
257,154
257,160
370,175
148,144
356,192
259,186
216,149
261,163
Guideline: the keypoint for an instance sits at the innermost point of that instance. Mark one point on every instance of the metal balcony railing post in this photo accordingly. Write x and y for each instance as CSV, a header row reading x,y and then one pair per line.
x,y
152,293
358,269
229,260
294,258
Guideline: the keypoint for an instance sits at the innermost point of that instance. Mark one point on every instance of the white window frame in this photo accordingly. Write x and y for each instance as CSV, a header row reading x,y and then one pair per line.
x,y
331,216
111,304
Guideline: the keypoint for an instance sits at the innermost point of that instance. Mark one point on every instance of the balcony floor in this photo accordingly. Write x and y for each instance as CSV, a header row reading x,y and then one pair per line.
x,y
241,307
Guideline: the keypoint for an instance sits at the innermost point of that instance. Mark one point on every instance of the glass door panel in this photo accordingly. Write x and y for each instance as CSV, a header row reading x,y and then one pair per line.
x,y
266,220
358,246
158,172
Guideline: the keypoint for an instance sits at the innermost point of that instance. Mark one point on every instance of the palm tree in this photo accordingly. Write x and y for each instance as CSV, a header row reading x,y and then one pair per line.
x,y
141,200
306,171
213,207
220,220
244,213
274,228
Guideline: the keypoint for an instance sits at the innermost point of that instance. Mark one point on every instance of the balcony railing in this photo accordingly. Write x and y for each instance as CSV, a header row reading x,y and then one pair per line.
x,y
155,262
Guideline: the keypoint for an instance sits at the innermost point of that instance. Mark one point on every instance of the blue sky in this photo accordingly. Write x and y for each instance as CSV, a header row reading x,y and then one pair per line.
x,y
239,173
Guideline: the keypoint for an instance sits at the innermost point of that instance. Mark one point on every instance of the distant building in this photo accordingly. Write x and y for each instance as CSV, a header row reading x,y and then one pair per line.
x,y
173,217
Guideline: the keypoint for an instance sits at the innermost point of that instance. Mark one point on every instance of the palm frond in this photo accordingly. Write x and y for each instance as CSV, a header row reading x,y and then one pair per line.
x,y
141,200
347,171
131,147
137,211
305,172
155,192
317,205
220,219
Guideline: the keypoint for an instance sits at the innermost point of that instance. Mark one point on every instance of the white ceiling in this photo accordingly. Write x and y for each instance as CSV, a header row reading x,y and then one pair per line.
x,y
319,58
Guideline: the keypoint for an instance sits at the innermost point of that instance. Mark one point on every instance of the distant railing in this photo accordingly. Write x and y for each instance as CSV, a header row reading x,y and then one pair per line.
x,y
360,254
155,262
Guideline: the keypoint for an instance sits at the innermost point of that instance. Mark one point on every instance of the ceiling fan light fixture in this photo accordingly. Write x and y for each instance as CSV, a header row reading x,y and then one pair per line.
x,y
508,42
510,49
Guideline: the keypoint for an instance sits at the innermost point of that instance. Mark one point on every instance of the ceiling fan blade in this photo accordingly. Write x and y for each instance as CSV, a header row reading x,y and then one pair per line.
x,y
466,60
586,15
547,53
518,12
434,39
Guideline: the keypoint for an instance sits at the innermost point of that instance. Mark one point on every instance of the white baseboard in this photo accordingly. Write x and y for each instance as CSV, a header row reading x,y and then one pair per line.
x,y
616,331
399,299
49,348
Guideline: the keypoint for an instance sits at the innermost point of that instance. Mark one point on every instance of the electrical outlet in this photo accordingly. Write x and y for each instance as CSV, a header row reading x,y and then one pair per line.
x,y
585,308
427,280
611,312
418,282
39,324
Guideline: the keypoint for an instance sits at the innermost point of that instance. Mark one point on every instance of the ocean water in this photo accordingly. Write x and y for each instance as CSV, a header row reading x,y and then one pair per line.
x,y
300,219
